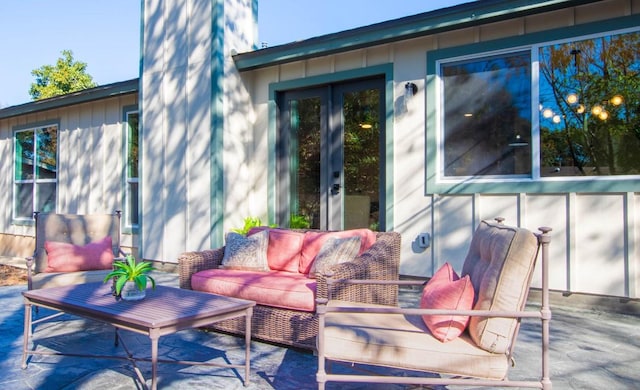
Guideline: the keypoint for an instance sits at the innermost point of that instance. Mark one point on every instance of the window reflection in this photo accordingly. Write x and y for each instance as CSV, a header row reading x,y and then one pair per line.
x,y
589,107
487,116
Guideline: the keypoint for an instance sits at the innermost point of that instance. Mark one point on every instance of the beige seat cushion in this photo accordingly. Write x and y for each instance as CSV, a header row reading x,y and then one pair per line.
x,y
400,341
57,279
500,263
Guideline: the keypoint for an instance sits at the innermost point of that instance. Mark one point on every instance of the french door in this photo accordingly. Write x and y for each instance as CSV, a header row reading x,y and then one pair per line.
x,y
330,149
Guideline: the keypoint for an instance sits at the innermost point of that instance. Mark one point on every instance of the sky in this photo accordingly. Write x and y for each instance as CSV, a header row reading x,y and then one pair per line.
x,y
106,34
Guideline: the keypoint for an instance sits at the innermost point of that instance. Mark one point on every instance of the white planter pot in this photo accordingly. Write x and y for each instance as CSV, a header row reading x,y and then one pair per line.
x,y
130,292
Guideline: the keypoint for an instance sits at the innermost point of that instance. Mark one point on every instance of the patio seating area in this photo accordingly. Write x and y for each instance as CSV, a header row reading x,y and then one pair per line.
x,y
589,350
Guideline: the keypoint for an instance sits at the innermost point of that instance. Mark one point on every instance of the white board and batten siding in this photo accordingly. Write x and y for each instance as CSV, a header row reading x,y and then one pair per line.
x,y
90,159
194,110
594,235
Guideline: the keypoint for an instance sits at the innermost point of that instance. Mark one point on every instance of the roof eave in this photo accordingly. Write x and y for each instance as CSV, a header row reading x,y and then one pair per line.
x,y
84,96
438,21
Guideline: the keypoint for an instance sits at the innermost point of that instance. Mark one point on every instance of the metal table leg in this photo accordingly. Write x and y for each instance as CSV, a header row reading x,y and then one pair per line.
x,y
153,335
27,332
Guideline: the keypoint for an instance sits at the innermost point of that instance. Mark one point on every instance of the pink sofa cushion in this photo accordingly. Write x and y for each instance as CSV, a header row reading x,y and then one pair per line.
x,y
275,288
283,251
446,290
66,257
313,242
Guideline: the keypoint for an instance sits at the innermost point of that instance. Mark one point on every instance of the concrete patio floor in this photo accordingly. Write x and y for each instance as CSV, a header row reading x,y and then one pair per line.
x,y
589,350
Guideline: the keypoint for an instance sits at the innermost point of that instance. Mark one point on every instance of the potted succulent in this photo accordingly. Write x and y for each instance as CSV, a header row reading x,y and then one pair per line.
x,y
131,278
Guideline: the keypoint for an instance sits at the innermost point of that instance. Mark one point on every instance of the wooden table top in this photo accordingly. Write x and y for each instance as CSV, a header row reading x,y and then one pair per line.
x,y
163,307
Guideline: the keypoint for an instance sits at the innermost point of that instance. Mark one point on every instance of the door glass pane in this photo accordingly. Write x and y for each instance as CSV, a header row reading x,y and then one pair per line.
x,y
305,148
361,113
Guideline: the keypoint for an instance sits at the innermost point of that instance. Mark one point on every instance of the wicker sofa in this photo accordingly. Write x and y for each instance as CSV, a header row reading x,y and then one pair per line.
x,y
299,328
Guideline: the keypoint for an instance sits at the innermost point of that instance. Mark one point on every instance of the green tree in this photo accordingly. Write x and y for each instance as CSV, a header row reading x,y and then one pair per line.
x,y
66,76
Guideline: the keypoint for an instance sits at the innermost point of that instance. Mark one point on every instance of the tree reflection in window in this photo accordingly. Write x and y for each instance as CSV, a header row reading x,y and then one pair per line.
x,y
590,106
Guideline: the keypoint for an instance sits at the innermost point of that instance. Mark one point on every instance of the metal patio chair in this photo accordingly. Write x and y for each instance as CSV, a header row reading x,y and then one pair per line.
x,y
75,229
500,264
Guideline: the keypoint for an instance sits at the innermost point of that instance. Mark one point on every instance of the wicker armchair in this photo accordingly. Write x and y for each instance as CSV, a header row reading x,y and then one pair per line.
x,y
299,328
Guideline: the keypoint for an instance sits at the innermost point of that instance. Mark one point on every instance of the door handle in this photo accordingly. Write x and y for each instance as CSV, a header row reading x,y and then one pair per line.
x,y
335,189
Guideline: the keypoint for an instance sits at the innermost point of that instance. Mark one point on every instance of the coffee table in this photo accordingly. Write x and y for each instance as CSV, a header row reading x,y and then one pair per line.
x,y
165,310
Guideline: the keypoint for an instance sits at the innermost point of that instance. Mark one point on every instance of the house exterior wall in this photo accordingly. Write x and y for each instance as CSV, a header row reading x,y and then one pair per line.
x,y
594,232
91,162
208,148
195,123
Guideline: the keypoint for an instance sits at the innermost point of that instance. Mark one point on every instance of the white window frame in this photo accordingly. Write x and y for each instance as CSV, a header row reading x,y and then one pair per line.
x,y
129,181
35,181
435,180
441,177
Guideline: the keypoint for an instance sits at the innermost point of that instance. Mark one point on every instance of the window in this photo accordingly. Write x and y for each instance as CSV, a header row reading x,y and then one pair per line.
x,y
547,116
132,150
590,106
35,170
487,116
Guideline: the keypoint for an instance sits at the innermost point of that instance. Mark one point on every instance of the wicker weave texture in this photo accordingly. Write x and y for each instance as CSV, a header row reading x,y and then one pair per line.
x,y
299,328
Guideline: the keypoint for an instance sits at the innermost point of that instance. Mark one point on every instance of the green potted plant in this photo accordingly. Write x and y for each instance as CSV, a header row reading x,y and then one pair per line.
x,y
299,221
249,223
131,278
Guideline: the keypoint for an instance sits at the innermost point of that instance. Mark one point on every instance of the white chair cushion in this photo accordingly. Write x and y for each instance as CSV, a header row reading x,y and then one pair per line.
x,y
400,341
500,263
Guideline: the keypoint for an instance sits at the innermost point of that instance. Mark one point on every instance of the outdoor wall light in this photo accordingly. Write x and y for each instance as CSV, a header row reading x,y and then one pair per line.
x,y
410,89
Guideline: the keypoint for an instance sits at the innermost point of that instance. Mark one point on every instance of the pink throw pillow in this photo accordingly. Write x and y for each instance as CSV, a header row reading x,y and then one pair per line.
x,y
66,257
283,251
447,291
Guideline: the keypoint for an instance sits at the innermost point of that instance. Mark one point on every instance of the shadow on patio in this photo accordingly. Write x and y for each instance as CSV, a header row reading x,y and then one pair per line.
x,y
589,350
